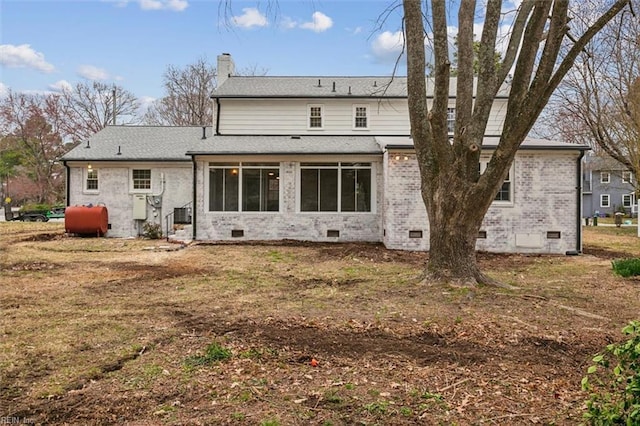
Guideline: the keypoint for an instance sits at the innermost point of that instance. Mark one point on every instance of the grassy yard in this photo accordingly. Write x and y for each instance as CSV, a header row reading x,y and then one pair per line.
x,y
101,331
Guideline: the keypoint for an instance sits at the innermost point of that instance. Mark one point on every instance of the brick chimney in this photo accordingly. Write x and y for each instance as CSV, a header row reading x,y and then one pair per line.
x,y
226,68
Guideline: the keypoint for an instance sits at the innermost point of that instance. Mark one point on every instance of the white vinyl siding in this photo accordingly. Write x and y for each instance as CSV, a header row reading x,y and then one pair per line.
x,y
290,116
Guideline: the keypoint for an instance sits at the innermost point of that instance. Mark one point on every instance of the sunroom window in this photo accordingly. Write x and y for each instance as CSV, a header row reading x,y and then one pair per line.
x,y
247,187
335,187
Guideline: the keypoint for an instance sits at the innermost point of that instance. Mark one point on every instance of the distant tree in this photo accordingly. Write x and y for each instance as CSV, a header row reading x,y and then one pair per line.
x,y
89,107
10,159
187,101
32,141
598,103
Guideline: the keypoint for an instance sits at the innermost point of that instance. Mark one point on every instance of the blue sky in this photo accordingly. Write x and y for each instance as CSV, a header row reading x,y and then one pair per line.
x,y
47,44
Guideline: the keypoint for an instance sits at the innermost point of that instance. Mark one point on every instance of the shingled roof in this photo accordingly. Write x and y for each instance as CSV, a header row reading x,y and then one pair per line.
x,y
135,143
161,143
323,87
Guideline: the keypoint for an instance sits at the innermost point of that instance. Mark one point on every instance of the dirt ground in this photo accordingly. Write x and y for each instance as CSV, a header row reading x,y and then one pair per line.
x,y
112,331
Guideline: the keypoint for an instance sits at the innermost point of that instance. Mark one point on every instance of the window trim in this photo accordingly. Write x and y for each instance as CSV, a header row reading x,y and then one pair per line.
x,y
511,180
602,177
602,196
132,187
309,108
451,120
241,166
336,165
355,116
85,180
631,197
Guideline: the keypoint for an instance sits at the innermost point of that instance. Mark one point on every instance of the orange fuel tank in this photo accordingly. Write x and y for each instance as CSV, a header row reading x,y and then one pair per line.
x,y
86,220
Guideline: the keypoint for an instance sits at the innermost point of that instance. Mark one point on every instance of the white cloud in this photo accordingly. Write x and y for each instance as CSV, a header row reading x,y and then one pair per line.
x,y
61,86
174,5
387,47
23,56
250,18
319,23
144,102
92,73
288,23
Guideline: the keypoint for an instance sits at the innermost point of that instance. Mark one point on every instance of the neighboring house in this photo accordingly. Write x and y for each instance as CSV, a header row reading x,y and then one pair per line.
x,y
607,187
316,159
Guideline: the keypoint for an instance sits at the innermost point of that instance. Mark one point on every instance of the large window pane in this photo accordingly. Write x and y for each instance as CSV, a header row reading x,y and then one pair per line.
x,y
231,190
216,189
271,189
309,190
328,190
363,190
251,190
348,199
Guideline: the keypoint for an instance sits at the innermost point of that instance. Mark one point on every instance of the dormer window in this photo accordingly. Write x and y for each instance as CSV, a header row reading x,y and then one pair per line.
x,y
626,176
360,117
315,116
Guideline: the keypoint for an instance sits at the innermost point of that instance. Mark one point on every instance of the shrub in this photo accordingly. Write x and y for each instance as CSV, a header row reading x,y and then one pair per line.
x,y
614,382
626,267
36,207
153,231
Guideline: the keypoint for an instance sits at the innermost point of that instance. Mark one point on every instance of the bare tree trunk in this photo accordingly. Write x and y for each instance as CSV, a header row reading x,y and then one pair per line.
x,y
456,195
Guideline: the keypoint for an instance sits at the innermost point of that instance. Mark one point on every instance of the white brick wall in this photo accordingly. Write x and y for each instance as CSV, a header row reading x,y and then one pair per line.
x,y
544,200
115,194
288,223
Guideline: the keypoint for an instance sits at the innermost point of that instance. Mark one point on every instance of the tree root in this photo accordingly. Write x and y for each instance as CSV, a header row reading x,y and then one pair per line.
x,y
476,279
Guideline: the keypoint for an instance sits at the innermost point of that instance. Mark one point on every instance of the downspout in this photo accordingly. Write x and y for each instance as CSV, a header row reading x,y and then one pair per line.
x,y
67,185
194,199
217,132
579,204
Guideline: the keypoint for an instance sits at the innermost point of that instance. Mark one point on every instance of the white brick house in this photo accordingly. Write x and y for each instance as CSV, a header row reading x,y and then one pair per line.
x,y
316,159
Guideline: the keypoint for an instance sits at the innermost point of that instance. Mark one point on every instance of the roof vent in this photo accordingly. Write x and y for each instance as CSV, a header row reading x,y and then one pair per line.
x,y
334,86
204,132
295,137
119,151
319,85
88,144
375,83
349,89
